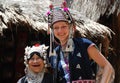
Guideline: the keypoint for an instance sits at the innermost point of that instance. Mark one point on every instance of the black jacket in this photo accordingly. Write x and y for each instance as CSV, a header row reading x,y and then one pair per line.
x,y
48,78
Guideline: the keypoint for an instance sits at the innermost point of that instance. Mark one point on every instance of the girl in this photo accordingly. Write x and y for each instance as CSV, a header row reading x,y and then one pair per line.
x,y
74,55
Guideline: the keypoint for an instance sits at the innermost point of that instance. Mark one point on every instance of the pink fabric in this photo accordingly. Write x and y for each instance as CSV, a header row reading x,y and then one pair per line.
x,y
83,81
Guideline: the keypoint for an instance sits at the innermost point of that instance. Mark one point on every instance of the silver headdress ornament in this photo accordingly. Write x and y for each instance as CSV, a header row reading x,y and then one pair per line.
x,y
60,13
41,49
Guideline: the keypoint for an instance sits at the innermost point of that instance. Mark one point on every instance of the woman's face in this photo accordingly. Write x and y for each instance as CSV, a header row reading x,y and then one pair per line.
x,y
36,64
61,31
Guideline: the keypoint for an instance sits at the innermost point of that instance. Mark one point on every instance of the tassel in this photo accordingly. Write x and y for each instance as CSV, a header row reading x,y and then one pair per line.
x,y
52,51
69,47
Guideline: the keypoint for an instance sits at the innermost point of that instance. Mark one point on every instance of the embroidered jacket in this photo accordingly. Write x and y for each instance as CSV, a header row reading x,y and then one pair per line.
x,y
79,62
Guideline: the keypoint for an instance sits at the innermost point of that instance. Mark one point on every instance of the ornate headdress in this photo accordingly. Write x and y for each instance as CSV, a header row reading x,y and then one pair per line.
x,y
60,14
41,49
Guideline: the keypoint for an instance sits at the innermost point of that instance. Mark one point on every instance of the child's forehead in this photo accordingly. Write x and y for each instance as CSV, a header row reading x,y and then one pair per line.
x,y
60,22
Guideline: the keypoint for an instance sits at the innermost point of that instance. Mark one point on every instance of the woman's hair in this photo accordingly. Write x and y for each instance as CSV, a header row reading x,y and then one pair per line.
x,y
76,34
37,53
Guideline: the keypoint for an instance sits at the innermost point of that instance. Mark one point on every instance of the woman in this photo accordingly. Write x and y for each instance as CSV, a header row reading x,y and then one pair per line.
x,y
36,65
74,55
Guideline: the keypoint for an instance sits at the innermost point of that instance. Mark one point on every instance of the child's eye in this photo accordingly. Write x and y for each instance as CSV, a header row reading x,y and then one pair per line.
x,y
64,27
56,28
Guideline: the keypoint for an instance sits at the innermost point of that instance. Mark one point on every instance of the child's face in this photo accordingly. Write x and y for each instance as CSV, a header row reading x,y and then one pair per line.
x,y
61,30
36,64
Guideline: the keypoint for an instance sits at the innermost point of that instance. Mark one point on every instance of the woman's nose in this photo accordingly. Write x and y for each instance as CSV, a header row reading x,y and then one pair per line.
x,y
35,60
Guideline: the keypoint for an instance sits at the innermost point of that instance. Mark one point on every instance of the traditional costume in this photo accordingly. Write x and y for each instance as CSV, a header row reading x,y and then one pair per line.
x,y
71,64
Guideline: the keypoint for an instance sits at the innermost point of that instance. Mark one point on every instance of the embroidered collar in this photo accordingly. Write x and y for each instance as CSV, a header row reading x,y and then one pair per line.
x,y
34,78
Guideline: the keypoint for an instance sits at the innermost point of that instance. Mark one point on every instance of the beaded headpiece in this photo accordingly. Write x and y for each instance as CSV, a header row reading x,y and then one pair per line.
x,y
40,49
56,14
59,14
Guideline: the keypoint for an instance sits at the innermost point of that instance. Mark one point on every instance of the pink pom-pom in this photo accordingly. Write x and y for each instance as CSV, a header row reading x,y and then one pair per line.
x,y
65,9
48,12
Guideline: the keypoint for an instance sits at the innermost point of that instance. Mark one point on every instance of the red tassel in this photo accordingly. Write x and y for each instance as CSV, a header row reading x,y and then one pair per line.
x,y
51,7
64,4
36,45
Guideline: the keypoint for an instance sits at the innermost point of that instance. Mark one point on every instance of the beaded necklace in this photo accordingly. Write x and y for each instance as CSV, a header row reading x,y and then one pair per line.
x,y
34,78
65,66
